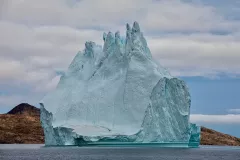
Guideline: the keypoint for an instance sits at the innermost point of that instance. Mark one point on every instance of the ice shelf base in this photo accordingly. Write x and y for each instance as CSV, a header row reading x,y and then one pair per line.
x,y
126,144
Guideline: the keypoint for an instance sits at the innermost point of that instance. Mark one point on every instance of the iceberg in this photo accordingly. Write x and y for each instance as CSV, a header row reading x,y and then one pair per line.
x,y
118,95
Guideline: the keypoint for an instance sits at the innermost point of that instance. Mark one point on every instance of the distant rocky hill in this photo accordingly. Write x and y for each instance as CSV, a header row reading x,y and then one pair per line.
x,y
25,109
211,137
22,125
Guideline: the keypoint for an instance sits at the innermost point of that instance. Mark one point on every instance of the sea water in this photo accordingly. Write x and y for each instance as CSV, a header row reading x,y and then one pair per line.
x,y
29,152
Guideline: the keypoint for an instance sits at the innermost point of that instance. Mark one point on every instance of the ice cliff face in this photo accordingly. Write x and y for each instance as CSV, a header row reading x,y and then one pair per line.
x,y
117,93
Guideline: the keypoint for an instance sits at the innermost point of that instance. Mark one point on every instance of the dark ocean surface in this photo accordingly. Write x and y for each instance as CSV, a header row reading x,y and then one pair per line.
x,y
38,152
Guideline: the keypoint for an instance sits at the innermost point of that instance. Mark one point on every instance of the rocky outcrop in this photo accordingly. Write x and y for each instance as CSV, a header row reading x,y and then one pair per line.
x,y
26,129
211,137
21,125
25,109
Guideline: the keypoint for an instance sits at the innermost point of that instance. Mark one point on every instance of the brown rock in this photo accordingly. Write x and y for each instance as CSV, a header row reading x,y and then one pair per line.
x,y
211,137
25,109
22,125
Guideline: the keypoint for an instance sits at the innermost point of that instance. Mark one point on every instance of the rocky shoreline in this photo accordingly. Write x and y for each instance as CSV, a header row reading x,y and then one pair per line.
x,y
22,125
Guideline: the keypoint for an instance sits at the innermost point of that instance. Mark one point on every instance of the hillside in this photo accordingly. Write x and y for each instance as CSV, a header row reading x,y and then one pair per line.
x,y
25,109
22,125
211,137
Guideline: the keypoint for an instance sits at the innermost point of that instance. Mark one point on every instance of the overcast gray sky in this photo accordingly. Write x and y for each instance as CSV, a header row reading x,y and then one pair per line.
x,y
41,37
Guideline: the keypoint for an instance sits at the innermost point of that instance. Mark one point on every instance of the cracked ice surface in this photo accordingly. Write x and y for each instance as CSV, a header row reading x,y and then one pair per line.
x,y
117,92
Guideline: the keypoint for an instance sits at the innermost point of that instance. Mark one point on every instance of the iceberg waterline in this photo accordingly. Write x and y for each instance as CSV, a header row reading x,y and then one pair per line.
x,y
118,94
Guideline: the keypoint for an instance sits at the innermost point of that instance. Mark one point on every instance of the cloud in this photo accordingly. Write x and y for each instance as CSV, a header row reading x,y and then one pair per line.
x,y
7,102
21,40
198,54
52,48
83,14
42,37
234,111
10,100
10,69
15,73
32,55
48,86
187,17
107,14
201,119
3,5
34,33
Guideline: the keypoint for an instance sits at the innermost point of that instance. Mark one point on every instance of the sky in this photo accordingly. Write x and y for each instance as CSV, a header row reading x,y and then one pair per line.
x,y
196,40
